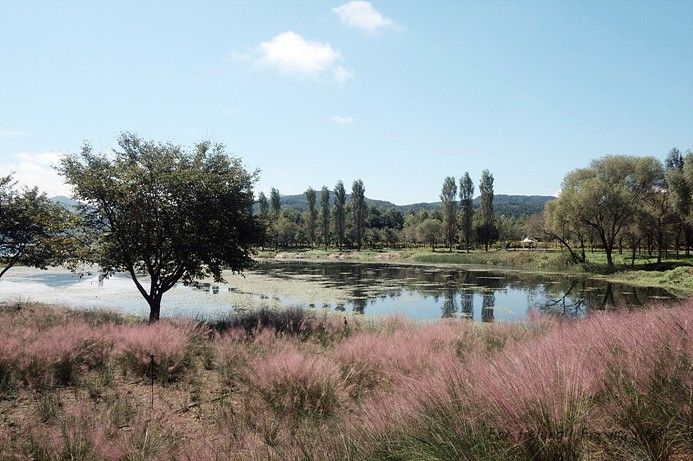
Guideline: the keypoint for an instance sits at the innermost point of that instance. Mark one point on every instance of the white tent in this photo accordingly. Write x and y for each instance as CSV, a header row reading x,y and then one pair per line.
x,y
528,242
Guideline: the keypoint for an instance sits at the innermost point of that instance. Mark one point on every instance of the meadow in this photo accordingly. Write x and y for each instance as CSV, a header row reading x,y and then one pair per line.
x,y
296,384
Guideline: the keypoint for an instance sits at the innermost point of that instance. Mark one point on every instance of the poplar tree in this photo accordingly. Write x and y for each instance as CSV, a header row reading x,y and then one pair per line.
x,y
358,200
339,212
325,215
263,204
487,232
467,208
312,214
447,197
276,204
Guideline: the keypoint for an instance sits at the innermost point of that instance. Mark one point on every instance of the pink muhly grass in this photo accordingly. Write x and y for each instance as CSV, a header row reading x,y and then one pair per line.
x,y
299,385
167,341
54,355
370,361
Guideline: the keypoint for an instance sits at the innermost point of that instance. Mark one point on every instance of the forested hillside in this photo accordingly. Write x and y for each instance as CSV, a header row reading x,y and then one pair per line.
x,y
512,206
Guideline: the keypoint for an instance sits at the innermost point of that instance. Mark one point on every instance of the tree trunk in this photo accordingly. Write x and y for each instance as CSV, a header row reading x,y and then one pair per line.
x,y
154,308
632,259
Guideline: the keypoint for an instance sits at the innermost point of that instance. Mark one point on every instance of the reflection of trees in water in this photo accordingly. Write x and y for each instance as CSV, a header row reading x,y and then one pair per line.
x,y
488,301
450,305
467,308
360,305
364,282
565,305
573,298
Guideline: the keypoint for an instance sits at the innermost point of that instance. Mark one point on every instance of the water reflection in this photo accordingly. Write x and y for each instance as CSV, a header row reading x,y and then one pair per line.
x,y
421,292
372,289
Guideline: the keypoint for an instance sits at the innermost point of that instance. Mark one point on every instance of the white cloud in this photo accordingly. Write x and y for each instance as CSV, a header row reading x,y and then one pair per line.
x,y
5,133
292,54
36,170
341,120
342,75
361,15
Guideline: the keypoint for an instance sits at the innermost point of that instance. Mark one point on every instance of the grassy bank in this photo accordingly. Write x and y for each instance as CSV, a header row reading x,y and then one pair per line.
x,y
673,274
292,385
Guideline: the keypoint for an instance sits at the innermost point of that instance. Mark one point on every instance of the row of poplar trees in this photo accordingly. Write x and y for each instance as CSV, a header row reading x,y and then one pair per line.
x,y
458,217
330,220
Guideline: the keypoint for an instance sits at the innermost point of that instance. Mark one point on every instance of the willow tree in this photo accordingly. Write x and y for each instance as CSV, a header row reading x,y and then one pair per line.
x,y
312,217
447,198
164,214
604,197
325,215
358,200
467,208
339,212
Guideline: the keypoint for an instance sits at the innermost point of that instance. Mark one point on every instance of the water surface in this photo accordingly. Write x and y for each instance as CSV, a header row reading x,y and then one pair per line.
x,y
417,292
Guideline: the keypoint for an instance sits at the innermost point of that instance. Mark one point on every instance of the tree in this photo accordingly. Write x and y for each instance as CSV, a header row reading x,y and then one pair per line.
x,y
681,197
325,215
263,204
264,213
275,203
312,214
165,213
486,232
339,212
429,231
688,179
467,206
447,197
604,197
358,200
34,231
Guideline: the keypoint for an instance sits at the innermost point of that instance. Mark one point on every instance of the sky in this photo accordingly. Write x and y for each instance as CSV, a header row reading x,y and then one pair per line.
x,y
399,94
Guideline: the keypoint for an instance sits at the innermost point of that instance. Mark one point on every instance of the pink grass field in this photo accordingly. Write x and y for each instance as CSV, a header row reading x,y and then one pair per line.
x,y
616,385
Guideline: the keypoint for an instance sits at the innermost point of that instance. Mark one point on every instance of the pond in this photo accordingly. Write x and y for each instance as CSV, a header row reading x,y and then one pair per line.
x,y
416,292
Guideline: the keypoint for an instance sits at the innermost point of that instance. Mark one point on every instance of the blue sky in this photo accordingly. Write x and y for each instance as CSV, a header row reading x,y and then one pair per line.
x,y
400,94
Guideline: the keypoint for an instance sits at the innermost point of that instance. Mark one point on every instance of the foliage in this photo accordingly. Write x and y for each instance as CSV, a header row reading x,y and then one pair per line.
x,y
430,231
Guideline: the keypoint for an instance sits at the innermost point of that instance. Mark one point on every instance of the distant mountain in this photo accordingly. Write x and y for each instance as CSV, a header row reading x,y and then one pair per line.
x,y
513,206
66,202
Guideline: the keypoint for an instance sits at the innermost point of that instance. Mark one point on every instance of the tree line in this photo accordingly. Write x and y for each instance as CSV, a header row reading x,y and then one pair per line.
x,y
354,224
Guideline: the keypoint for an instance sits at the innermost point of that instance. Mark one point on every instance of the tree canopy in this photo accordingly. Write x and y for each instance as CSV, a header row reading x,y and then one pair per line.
x,y
159,211
33,230
604,197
